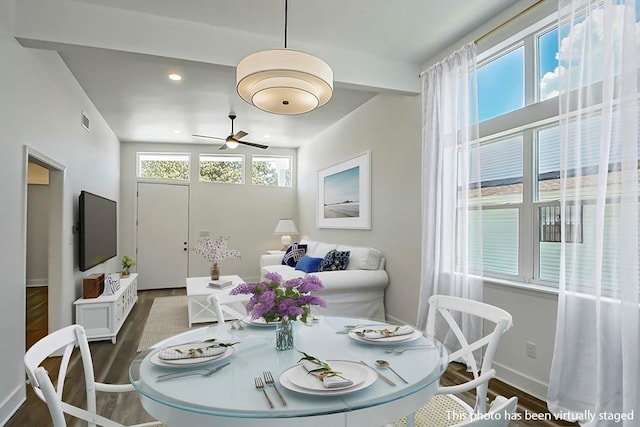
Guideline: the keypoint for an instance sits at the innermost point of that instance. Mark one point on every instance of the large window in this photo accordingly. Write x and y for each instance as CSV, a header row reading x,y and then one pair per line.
x,y
170,166
519,158
272,171
222,168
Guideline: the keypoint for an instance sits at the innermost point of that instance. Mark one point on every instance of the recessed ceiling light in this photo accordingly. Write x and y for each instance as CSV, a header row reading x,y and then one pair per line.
x,y
267,136
177,131
175,77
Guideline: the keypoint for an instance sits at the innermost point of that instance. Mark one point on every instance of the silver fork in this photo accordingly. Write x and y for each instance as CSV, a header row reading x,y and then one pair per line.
x,y
400,350
268,378
260,386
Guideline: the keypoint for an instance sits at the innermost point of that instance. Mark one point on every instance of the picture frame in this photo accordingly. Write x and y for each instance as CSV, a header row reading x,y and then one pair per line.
x,y
344,194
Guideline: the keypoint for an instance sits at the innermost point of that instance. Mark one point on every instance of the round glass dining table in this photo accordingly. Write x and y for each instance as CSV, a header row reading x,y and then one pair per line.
x,y
230,398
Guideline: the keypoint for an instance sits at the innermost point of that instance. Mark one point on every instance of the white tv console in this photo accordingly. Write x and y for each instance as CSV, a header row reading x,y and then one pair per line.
x,y
102,317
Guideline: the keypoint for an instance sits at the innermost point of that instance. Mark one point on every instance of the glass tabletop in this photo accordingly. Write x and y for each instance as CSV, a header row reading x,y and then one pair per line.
x,y
231,392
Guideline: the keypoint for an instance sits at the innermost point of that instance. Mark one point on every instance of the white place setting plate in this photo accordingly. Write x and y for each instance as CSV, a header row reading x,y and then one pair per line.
x,y
416,334
258,322
298,379
190,361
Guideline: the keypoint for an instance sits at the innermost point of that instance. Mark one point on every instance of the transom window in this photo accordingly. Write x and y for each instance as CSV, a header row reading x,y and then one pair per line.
x,y
222,168
271,171
167,166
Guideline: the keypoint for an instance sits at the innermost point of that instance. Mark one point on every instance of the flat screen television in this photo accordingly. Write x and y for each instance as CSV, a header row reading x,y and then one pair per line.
x,y
98,230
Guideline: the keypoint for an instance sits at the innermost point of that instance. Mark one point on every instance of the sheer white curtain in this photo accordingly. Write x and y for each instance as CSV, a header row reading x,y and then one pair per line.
x,y
594,375
449,147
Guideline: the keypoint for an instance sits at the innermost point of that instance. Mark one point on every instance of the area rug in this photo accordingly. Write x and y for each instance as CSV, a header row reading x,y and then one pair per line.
x,y
168,316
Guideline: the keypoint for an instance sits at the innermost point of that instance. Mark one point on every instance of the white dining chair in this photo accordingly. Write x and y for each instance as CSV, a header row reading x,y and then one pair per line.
x,y
232,305
67,339
440,409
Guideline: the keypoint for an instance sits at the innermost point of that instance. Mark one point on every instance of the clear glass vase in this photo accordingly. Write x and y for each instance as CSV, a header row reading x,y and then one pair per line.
x,y
284,334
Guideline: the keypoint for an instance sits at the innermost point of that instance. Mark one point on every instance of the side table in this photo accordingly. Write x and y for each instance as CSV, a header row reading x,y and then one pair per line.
x,y
198,290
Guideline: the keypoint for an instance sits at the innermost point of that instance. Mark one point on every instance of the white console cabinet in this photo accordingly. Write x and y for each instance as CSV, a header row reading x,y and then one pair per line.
x,y
102,317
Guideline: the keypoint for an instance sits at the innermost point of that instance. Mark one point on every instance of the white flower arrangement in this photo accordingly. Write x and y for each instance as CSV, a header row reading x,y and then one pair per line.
x,y
215,251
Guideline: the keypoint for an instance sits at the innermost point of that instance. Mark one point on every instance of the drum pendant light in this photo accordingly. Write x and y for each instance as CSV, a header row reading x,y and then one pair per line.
x,y
284,81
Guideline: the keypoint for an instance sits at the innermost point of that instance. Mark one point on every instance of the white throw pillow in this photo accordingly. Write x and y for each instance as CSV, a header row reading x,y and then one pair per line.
x,y
311,246
322,249
362,258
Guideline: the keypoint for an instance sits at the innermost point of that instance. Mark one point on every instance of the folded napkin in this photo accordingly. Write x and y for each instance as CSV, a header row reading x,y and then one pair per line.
x,y
329,378
392,331
180,352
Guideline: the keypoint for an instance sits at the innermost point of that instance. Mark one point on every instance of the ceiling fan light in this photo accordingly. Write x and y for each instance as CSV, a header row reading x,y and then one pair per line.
x,y
232,144
284,81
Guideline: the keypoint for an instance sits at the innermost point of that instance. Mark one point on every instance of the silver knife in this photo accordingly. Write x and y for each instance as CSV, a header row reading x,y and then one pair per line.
x,y
204,373
382,377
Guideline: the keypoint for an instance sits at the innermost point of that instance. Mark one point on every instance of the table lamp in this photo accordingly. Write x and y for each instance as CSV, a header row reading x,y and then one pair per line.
x,y
285,227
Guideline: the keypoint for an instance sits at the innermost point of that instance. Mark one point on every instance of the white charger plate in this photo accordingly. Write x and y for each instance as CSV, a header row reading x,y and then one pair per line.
x,y
299,380
155,358
384,341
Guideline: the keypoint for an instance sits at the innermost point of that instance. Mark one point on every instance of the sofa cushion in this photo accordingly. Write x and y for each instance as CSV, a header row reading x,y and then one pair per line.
x,y
293,254
322,249
362,258
335,260
308,264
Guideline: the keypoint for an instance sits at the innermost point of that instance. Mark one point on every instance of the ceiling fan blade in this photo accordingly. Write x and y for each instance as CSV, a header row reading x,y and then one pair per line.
x,y
240,134
210,137
253,144
223,147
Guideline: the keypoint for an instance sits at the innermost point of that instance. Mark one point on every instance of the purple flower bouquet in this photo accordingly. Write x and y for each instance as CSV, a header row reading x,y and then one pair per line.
x,y
274,300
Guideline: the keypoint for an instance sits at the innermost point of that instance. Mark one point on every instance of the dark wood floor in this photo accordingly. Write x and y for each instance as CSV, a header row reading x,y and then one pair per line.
x,y
111,362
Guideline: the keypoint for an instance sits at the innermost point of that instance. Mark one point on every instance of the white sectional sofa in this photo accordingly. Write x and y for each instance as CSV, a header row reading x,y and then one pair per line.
x,y
357,291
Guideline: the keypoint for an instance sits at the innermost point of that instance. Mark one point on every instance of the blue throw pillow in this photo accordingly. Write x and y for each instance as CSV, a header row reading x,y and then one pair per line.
x,y
308,264
293,254
335,260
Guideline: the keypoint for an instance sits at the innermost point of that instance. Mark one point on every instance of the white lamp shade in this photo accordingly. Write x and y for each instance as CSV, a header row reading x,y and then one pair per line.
x,y
284,81
285,226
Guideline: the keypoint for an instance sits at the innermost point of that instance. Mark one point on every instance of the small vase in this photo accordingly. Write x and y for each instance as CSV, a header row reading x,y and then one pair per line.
x,y
215,272
284,334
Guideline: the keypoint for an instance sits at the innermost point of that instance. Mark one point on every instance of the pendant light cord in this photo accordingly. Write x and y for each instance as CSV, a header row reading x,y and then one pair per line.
x,y
286,7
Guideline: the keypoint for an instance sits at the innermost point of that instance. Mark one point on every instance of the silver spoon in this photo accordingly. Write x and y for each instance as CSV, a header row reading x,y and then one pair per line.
x,y
385,364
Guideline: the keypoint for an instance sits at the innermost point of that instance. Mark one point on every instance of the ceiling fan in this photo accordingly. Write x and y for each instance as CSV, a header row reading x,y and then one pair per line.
x,y
233,139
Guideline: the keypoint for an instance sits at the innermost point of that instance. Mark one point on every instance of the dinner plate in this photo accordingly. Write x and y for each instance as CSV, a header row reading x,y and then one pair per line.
x,y
155,358
259,322
299,380
385,341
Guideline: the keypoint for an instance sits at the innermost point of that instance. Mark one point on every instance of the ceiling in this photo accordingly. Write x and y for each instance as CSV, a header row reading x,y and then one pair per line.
x,y
121,52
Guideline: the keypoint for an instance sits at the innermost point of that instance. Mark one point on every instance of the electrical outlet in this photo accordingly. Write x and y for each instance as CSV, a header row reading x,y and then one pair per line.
x,y
530,349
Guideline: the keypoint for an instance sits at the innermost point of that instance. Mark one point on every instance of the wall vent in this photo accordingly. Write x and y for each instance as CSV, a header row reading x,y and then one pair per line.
x,y
84,121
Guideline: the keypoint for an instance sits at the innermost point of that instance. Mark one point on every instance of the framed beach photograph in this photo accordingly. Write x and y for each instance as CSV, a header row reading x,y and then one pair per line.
x,y
344,194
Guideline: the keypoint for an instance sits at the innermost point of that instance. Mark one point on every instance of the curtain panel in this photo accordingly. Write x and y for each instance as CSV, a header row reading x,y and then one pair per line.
x,y
449,148
594,376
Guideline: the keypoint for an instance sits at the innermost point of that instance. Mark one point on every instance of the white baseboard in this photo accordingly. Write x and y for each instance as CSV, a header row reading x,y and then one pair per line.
x,y
529,385
35,283
12,403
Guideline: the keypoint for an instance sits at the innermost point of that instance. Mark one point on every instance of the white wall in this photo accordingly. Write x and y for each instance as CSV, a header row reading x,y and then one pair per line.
x,y
37,235
390,126
246,213
40,108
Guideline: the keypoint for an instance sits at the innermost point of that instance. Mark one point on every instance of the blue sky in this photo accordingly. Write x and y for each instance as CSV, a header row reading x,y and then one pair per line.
x,y
342,186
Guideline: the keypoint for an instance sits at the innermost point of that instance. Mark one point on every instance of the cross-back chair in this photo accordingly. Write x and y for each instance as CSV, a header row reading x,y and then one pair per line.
x,y
229,304
66,339
496,322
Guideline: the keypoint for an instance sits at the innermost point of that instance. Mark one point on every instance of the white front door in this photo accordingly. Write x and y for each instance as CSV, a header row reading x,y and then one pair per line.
x,y
163,235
